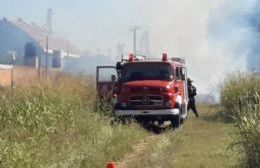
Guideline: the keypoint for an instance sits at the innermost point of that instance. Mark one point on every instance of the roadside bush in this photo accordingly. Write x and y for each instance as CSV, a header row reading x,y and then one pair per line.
x,y
55,124
240,97
238,91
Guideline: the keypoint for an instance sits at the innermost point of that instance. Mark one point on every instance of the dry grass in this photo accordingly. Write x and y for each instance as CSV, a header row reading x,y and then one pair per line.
x,y
199,143
54,124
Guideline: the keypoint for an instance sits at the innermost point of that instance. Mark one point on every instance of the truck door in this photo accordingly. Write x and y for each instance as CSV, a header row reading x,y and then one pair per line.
x,y
106,78
185,85
181,76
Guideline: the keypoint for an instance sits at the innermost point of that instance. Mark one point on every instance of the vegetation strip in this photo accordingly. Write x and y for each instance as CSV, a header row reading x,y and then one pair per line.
x,y
55,124
138,150
240,97
199,143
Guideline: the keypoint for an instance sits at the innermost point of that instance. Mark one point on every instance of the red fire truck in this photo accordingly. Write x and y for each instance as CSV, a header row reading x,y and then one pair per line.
x,y
149,90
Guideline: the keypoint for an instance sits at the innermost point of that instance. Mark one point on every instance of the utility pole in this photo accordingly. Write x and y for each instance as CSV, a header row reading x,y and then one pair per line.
x,y
134,30
49,20
39,64
13,57
67,57
47,49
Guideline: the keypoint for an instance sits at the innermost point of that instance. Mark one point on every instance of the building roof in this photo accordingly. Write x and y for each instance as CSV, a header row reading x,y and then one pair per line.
x,y
39,35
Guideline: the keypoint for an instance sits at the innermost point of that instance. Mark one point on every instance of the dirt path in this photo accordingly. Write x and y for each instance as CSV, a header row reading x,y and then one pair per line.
x,y
138,151
199,143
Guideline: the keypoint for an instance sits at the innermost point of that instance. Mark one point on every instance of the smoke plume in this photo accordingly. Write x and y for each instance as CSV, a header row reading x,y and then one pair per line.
x,y
215,37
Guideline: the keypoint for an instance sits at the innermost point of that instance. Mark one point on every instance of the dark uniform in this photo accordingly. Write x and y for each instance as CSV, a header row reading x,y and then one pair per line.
x,y
192,92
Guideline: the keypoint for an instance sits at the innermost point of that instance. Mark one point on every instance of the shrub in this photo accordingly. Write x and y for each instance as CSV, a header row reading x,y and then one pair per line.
x,y
55,124
239,90
240,97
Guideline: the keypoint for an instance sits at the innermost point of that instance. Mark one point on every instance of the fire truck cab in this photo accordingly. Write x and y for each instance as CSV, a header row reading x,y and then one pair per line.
x,y
148,90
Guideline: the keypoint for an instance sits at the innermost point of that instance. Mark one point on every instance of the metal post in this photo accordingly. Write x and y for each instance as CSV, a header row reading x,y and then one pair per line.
x,y
134,41
134,29
122,57
47,49
12,70
39,65
65,60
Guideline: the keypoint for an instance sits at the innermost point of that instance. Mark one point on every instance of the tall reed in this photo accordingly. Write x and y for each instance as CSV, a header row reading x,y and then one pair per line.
x,y
240,97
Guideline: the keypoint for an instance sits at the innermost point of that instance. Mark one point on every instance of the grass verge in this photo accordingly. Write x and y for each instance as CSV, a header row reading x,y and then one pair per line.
x,y
55,124
199,143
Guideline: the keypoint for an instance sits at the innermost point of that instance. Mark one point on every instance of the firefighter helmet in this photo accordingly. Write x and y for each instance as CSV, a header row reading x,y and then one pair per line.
x,y
189,79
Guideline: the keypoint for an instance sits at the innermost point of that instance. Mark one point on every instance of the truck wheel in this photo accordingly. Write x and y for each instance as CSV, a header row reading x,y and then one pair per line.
x,y
145,123
176,121
182,120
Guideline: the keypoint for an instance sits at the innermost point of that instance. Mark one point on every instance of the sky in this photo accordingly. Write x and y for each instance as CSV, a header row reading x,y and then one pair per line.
x,y
101,24
91,25
212,35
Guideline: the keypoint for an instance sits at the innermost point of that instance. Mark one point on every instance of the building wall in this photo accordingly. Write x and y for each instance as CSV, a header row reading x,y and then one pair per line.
x,y
5,77
28,41
12,39
25,75
21,75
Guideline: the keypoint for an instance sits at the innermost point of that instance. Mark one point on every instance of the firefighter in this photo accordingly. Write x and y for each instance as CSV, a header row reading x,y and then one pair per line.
x,y
192,92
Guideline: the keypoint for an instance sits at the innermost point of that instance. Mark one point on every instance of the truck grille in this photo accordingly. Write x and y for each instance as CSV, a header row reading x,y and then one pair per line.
x,y
145,89
149,100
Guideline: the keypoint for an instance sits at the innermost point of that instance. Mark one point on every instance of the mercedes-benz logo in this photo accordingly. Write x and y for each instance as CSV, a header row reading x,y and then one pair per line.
x,y
146,100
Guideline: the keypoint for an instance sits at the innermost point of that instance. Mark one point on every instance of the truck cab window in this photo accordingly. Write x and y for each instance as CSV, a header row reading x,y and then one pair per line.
x,y
178,73
183,73
143,71
136,76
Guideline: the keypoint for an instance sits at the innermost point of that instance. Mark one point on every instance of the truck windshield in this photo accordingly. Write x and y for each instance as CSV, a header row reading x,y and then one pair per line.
x,y
146,71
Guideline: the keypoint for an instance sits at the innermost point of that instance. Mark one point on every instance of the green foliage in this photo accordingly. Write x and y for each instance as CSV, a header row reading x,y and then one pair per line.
x,y
248,123
240,97
54,124
239,90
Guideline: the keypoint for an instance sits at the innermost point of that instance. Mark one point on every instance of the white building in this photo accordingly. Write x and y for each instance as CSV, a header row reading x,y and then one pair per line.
x,y
29,41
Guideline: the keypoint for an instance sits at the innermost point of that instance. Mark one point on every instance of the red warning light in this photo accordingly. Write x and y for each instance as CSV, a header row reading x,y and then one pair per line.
x,y
164,57
131,57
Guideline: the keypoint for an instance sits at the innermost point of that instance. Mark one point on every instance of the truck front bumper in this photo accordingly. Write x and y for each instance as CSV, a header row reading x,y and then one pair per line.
x,y
160,112
152,115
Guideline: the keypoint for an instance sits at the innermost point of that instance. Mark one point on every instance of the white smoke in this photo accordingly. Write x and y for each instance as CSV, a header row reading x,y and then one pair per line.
x,y
207,33
182,28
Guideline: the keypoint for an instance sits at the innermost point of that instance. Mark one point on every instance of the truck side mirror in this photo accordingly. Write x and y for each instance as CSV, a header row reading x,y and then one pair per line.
x,y
119,66
113,78
183,77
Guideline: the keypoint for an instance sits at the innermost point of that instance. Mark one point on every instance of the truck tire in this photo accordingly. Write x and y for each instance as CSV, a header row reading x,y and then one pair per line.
x,y
145,123
125,120
176,121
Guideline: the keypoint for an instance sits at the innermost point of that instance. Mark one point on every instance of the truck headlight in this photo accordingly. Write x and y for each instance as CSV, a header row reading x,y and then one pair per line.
x,y
115,100
168,104
124,104
178,99
125,89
